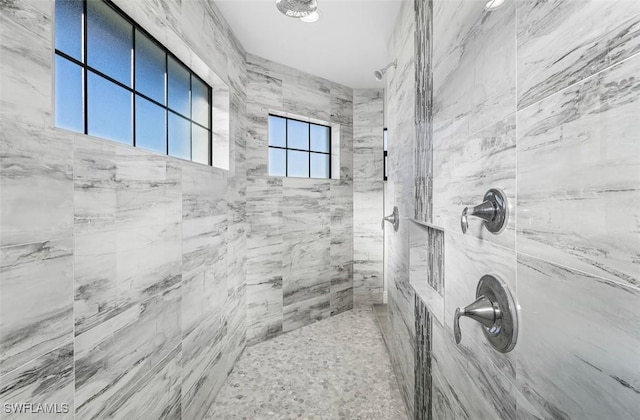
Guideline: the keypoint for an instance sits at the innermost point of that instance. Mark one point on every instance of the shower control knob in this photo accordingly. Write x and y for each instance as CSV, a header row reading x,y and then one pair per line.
x,y
494,210
495,310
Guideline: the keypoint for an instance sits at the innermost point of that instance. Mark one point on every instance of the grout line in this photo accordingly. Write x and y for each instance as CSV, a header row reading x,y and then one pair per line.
x,y
577,82
582,272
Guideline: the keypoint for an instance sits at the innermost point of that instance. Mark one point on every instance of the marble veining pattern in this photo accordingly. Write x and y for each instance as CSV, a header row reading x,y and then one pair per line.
x,y
36,300
400,109
367,196
46,380
334,369
595,341
137,253
299,241
578,173
595,34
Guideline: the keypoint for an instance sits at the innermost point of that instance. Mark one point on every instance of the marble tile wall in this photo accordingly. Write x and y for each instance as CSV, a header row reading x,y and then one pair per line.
x,y
122,272
399,102
548,118
368,197
300,231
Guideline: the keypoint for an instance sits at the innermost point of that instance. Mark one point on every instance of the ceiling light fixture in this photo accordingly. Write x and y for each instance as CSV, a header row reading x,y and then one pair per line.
x,y
297,8
313,17
493,4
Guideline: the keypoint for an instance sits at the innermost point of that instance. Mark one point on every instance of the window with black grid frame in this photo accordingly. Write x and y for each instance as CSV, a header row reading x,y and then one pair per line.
x,y
114,80
298,148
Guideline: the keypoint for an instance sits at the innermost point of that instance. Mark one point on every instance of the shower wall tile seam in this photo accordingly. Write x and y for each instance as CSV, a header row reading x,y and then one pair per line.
x,y
52,239
579,271
578,82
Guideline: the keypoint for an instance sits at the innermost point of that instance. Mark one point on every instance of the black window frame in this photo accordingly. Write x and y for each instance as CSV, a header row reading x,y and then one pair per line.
x,y
309,151
86,68
385,152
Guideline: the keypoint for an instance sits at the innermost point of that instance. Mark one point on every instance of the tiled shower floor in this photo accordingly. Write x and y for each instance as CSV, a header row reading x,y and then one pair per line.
x,y
334,369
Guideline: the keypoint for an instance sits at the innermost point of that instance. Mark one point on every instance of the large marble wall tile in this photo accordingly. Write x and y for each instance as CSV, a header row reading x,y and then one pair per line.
x,y
368,123
35,175
473,387
306,239
473,66
26,65
46,382
308,101
36,300
400,105
204,243
202,354
95,186
114,355
595,34
467,260
341,246
465,168
115,271
156,396
264,258
578,173
586,366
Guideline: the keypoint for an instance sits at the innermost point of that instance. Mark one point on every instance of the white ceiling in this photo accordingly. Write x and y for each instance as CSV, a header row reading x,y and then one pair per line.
x,y
346,45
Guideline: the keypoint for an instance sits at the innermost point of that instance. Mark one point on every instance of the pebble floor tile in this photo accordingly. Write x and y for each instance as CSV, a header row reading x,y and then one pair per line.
x,y
337,368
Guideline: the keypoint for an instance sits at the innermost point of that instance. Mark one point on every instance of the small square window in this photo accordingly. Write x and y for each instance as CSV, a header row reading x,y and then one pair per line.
x,y
298,148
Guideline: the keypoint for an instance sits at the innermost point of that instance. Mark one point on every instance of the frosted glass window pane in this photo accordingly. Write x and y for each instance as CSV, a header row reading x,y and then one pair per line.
x,y
69,109
319,165
109,42
319,138
200,104
151,131
298,135
109,110
150,68
277,131
69,27
298,164
179,137
178,87
277,162
200,144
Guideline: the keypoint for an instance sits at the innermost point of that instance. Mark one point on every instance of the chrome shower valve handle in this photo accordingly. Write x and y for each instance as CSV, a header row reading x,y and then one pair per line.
x,y
494,210
495,310
482,310
393,218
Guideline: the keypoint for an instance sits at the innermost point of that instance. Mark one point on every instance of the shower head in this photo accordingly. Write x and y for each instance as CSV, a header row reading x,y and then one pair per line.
x,y
380,73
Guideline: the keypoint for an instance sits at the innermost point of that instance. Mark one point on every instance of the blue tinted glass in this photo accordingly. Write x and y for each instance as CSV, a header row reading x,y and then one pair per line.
x,y
151,131
319,138
179,137
277,131
319,165
200,101
109,110
277,162
69,27
150,68
298,164
298,135
109,42
200,144
69,109
178,87
384,139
